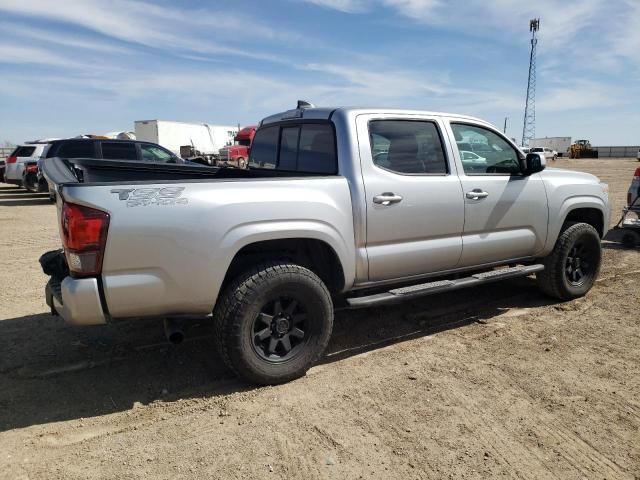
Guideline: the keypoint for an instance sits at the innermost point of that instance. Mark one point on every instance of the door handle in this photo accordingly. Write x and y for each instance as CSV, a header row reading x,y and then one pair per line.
x,y
387,198
476,194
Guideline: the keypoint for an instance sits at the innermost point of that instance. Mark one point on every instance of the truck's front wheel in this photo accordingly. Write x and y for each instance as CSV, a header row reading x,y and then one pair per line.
x,y
273,322
573,266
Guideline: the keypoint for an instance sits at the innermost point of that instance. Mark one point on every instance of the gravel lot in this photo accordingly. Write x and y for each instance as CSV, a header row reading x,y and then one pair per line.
x,y
497,381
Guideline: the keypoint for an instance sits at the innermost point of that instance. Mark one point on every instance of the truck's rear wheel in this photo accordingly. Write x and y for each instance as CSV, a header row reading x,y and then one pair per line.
x,y
273,323
573,266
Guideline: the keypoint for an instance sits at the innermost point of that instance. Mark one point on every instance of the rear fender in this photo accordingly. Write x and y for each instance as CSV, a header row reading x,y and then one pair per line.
x,y
248,233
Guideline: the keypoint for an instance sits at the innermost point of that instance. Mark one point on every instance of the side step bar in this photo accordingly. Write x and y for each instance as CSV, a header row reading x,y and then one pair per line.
x,y
430,288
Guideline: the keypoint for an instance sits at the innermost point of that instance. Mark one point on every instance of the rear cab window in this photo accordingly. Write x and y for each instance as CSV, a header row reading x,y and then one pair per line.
x,y
303,148
119,151
264,151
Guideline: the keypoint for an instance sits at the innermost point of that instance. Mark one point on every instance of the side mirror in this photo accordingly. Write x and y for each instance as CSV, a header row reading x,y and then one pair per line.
x,y
534,163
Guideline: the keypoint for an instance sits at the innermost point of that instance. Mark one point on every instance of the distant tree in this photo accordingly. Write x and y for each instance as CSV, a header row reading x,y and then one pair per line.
x,y
7,143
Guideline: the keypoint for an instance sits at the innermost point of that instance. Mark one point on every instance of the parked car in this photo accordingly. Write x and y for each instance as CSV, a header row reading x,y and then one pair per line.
x,y
14,164
197,142
547,152
472,158
30,177
317,222
105,149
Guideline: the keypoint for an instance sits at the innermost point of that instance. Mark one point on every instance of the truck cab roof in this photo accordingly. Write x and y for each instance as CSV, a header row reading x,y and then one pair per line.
x,y
326,113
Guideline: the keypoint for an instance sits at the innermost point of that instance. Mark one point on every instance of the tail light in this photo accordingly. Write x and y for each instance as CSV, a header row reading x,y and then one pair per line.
x,y
12,159
636,175
32,169
84,235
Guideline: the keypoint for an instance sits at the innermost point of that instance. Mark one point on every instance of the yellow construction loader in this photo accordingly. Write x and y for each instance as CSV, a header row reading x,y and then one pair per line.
x,y
582,149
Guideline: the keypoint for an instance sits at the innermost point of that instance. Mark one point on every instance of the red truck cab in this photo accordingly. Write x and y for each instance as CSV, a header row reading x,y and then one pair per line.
x,y
238,153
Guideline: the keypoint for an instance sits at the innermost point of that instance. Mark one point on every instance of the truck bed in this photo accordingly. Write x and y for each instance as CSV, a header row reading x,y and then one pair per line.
x,y
174,230
60,171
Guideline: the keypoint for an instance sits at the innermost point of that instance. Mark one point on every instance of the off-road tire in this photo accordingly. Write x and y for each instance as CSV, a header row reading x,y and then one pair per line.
x,y
242,302
553,280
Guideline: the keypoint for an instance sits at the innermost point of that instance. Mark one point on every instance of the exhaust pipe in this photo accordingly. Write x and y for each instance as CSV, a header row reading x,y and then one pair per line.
x,y
173,331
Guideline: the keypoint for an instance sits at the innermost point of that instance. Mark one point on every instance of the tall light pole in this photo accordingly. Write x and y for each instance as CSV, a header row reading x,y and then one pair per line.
x,y
504,130
529,124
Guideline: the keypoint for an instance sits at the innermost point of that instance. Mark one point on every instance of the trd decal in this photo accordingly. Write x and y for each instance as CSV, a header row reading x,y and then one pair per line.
x,y
144,197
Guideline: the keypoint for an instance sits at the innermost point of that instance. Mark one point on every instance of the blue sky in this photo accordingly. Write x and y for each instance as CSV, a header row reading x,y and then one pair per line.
x,y
90,66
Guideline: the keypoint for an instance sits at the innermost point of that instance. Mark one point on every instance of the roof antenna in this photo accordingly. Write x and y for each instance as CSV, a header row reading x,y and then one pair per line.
x,y
304,104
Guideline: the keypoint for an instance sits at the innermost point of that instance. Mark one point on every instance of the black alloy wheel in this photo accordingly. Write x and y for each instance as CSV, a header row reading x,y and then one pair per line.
x,y
278,332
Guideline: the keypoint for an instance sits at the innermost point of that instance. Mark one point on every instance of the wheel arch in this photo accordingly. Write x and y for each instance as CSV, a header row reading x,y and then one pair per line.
x,y
312,253
589,215
586,209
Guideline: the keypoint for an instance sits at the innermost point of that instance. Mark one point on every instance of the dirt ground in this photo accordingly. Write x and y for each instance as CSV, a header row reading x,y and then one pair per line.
x,y
497,381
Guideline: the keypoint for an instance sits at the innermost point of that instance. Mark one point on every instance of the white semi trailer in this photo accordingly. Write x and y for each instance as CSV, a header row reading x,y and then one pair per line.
x,y
204,139
559,144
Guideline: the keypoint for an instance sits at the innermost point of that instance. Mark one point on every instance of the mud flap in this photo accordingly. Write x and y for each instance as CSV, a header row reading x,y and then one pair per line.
x,y
54,264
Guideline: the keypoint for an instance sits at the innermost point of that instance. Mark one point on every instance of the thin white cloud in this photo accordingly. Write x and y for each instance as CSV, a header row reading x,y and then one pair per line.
x,y
155,26
10,53
562,20
415,9
578,95
624,39
50,38
378,82
347,6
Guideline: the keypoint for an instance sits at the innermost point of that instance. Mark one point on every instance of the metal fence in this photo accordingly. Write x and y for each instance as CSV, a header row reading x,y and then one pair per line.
x,y
604,152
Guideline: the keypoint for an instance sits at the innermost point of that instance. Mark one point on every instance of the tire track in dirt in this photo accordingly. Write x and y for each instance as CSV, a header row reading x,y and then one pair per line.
x,y
583,456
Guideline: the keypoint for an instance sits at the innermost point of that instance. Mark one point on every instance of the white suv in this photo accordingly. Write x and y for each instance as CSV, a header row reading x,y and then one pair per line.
x,y
547,152
29,152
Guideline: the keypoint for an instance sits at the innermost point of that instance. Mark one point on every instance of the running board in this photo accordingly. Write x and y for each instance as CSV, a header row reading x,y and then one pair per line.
x,y
430,288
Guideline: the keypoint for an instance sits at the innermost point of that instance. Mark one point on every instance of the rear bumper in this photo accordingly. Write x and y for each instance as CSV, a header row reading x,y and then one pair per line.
x,y
13,173
76,300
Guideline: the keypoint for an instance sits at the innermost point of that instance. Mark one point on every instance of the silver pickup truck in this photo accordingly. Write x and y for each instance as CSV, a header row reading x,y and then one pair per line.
x,y
349,207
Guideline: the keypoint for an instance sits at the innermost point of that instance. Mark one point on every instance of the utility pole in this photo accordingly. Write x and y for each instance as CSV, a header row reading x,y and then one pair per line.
x,y
529,124
504,130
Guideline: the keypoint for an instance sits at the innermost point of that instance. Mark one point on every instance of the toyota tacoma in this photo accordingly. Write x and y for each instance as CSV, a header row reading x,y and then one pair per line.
x,y
340,207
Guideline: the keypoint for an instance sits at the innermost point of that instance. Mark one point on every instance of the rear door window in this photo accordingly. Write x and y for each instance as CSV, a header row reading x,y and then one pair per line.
x,y
407,147
265,148
23,151
119,151
75,149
